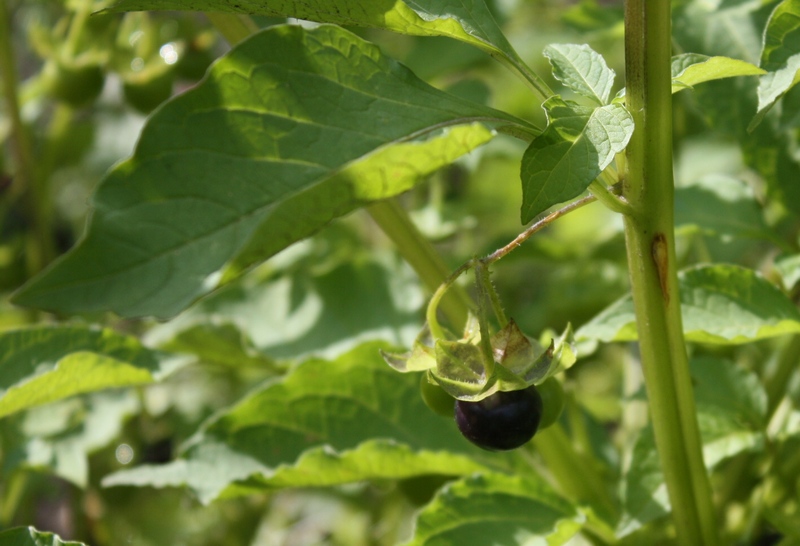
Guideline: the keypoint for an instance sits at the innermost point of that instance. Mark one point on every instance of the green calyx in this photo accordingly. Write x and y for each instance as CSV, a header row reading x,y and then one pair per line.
x,y
461,369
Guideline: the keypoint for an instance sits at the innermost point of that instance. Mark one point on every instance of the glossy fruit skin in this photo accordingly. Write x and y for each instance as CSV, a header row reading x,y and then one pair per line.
x,y
502,421
552,394
437,400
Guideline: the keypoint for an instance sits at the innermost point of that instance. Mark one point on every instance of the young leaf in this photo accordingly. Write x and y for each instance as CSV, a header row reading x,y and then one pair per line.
x,y
574,149
779,56
291,129
348,420
731,407
43,364
28,536
470,21
780,35
496,509
690,69
581,69
723,304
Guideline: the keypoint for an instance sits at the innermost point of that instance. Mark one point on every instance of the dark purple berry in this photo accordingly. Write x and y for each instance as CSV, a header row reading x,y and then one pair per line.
x,y
502,421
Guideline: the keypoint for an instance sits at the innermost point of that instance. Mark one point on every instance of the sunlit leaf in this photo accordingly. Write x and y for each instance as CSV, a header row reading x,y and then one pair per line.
x,y
581,69
47,363
690,69
723,304
496,509
291,129
351,419
577,145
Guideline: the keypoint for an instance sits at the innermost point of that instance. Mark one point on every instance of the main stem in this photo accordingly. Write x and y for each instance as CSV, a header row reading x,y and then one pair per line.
x,y
648,188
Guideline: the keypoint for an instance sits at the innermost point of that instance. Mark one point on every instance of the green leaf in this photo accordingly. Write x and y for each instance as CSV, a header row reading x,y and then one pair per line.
x,y
720,205
780,55
61,436
581,69
470,21
721,304
574,149
496,509
28,536
788,268
43,364
781,35
690,69
291,129
731,408
327,422
300,312
774,85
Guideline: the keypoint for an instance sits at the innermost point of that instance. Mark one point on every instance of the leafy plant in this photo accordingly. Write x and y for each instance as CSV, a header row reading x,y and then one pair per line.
x,y
232,324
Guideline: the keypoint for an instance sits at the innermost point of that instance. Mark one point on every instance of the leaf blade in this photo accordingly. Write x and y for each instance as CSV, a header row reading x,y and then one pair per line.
x,y
223,172
721,304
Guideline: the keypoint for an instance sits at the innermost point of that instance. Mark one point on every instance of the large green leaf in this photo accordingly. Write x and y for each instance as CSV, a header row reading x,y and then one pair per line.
x,y
731,410
468,20
291,129
724,304
28,536
577,145
496,509
43,364
326,423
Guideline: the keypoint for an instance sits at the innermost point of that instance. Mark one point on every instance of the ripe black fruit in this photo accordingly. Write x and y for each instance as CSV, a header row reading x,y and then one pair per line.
x,y
502,421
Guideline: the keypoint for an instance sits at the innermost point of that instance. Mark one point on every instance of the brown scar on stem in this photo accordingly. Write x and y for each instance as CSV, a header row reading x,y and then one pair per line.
x,y
660,254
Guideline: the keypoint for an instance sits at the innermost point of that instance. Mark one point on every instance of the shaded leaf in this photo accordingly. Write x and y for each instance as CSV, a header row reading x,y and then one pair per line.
x,y
28,536
496,509
723,304
291,129
574,149
731,408
581,69
351,419
47,363
719,205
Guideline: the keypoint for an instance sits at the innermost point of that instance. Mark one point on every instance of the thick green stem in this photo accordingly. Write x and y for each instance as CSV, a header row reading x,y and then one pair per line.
x,y
649,190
